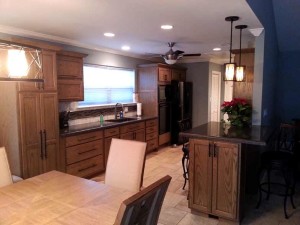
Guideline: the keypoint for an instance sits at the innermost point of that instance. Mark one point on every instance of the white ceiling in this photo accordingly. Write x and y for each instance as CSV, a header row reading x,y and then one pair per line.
x,y
199,25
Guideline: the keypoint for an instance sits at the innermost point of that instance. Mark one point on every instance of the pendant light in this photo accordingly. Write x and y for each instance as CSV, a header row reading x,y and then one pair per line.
x,y
240,70
230,67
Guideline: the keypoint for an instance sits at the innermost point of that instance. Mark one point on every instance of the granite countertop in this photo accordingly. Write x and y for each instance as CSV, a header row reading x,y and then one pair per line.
x,y
256,135
86,127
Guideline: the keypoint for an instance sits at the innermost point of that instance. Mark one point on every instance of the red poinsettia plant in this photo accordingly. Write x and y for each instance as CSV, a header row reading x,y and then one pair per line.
x,y
239,112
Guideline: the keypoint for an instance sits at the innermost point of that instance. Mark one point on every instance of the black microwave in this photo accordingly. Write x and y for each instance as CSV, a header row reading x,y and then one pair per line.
x,y
164,93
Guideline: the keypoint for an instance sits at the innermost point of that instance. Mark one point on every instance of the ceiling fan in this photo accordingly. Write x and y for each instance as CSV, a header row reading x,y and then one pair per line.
x,y
171,56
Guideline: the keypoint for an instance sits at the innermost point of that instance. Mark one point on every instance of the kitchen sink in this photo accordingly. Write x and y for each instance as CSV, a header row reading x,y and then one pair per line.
x,y
124,119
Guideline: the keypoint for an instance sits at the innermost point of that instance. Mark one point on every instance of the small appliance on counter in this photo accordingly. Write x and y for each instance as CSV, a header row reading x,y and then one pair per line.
x,y
64,119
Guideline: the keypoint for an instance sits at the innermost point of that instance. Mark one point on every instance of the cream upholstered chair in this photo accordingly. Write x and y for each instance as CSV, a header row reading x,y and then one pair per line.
x,y
5,174
144,207
125,164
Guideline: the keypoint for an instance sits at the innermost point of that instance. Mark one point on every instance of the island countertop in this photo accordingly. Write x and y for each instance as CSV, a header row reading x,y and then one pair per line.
x,y
256,135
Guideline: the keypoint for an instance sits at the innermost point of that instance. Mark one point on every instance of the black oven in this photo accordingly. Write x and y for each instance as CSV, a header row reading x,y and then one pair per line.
x,y
164,117
164,93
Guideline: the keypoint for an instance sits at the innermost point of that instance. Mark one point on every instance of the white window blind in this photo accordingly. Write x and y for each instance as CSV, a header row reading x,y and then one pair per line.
x,y
107,85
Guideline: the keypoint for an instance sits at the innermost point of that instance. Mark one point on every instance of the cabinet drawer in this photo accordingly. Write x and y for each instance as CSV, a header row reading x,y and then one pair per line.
x,y
87,167
84,151
151,129
152,144
150,123
111,132
83,138
132,127
151,136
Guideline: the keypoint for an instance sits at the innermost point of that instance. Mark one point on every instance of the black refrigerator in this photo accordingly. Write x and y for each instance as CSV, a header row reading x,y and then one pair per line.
x,y
181,106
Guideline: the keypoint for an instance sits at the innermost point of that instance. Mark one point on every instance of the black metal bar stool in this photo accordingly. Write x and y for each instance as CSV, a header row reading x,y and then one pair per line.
x,y
280,161
184,125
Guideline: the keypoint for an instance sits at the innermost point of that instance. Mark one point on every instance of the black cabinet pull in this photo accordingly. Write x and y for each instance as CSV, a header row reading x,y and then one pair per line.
x,y
89,150
45,144
41,139
89,167
209,150
215,150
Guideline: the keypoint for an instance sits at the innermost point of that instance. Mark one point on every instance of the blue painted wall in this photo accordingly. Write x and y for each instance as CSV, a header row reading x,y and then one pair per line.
x,y
264,12
288,86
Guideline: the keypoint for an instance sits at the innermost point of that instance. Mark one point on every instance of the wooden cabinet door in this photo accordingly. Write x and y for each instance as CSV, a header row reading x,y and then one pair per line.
x,y
164,74
70,90
139,135
127,136
69,67
49,71
31,133
200,177
225,180
178,75
49,126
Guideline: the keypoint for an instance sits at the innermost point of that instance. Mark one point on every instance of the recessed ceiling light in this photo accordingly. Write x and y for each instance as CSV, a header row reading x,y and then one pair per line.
x,y
217,49
109,34
166,27
125,47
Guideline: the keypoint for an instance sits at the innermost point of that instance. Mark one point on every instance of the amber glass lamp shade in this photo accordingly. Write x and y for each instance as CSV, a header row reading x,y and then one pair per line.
x,y
240,73
229,71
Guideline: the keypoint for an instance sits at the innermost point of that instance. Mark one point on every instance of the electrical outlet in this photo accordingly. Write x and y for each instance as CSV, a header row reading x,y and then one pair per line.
x,y
125,109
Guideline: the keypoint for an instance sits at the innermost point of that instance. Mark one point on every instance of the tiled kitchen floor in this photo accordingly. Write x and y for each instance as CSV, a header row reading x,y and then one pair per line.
x,y
176,212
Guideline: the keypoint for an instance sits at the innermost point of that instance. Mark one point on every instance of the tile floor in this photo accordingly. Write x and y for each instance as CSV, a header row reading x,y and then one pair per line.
x,y
175,209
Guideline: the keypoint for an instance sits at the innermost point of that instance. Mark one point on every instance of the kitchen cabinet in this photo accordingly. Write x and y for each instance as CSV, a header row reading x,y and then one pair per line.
x,y
70,76
152,134
49,74
84,154
39,132
214,182
150,76
178,74
109,134
134,131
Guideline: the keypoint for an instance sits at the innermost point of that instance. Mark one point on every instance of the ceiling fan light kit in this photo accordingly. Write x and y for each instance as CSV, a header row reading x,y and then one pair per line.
x,y
230,67
240,70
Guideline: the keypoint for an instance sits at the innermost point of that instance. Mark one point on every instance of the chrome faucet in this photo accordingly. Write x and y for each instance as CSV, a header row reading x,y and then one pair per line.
x,y
116,115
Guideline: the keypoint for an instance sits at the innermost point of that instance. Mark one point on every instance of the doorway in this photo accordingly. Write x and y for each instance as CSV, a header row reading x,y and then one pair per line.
x,y
215,96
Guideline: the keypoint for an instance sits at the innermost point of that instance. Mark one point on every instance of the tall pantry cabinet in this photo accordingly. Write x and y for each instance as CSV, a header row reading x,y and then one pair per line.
x,y
38,121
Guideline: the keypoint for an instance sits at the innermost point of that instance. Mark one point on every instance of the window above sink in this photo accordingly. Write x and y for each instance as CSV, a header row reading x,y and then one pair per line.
x,y
107,85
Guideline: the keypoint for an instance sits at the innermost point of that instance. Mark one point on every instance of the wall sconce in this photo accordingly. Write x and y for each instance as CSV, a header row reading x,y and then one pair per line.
x,y
230,67
240,70
23,63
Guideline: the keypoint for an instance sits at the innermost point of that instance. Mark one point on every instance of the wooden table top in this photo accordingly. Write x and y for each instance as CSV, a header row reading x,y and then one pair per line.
x,y
59,198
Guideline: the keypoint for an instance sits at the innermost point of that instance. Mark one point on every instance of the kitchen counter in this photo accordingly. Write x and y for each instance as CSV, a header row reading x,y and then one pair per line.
x,y
86,127
256,135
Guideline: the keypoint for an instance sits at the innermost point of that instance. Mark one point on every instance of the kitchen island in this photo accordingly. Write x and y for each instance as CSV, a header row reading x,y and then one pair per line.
x,y
217,170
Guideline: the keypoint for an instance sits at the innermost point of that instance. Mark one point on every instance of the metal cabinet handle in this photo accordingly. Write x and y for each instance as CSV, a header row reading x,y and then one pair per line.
x,y
89,167
215,151
83,139
45,144
41,147
89,150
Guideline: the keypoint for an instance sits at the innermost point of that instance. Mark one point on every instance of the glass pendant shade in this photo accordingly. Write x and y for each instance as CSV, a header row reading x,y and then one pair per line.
x,y
170,61
240,73
229,71
17,63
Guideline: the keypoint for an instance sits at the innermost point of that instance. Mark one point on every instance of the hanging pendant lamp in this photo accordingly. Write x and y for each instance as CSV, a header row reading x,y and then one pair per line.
x,y
240,70
230,67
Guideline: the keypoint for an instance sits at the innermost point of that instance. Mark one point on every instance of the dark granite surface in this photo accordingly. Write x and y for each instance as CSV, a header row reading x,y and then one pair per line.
x,y
86,127
257,135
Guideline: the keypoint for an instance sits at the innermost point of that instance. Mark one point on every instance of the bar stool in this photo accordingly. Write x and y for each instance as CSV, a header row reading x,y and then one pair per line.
x,y
281,159
184,125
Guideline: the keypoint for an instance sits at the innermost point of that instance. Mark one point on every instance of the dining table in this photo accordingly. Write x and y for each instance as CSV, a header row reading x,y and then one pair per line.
x,y
59,198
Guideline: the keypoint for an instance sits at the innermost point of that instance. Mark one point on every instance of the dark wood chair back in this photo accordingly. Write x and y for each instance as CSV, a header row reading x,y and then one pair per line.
x,y
184,125
144,207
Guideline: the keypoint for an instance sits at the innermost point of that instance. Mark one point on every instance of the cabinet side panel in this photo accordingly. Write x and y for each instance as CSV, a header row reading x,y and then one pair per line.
x,y
225,180
200,175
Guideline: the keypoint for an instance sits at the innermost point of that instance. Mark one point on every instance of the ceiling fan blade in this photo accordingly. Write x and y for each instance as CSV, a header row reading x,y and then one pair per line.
x,y
178,52
152,55
198,54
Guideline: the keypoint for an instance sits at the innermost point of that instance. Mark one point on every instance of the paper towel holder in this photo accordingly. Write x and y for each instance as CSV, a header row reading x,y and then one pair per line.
x,y
139,109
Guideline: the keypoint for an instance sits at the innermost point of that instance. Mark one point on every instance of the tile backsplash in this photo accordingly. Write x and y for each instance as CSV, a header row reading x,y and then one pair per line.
x,y
90,115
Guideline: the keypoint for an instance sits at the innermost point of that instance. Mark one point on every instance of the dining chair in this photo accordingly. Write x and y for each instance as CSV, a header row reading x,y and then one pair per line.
x,y
5,174
144,207
279,163
184,125
125,164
